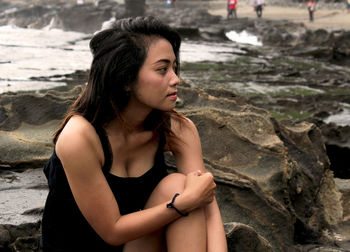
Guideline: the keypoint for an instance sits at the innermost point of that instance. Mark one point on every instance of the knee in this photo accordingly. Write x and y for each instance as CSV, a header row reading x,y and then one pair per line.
x,y
173,183
167,187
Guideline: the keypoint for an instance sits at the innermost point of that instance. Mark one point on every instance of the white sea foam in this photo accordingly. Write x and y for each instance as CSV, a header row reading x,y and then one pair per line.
x,y
244,38
342,118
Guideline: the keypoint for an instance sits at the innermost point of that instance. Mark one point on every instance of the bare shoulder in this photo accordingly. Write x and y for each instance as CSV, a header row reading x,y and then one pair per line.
x,y
185,134
77,139
182,125
186,146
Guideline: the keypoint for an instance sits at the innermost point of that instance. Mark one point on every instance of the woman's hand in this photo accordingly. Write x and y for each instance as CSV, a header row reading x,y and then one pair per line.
x,y
199,189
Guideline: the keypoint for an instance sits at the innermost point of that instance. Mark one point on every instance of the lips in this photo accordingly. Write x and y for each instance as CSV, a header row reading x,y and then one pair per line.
x,y
172,95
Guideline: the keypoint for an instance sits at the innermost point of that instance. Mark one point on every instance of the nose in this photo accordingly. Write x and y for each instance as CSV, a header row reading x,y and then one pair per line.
x,y
175,80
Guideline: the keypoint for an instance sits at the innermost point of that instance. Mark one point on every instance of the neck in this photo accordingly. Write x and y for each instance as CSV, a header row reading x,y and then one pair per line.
x,y
133,118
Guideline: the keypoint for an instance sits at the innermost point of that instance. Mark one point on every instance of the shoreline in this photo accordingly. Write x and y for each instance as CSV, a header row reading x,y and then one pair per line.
x,y
327,16
329,19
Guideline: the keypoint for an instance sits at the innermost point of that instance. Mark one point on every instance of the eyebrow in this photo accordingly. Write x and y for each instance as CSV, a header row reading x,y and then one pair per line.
x,y
164,61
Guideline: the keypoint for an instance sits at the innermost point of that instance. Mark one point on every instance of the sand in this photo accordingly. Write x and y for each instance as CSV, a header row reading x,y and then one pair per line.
x,y
331,19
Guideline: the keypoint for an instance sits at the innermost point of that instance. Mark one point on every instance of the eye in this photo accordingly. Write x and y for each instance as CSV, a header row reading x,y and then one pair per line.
x,y
162,69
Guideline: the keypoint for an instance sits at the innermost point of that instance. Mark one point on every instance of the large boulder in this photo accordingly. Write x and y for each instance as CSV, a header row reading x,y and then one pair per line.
x,y
273,177
27,123
275,174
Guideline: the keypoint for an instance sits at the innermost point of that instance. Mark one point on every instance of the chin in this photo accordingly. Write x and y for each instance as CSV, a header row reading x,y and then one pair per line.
x,y
168,108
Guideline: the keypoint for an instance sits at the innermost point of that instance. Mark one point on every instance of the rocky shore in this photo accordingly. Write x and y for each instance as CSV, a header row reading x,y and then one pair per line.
x,y
273,154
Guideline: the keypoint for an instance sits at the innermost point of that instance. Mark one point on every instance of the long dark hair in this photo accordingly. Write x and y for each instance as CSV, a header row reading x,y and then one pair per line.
x,y
118,54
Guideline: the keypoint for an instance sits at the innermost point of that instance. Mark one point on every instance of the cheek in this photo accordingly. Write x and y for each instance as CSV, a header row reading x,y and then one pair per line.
x,y
146,91
150,85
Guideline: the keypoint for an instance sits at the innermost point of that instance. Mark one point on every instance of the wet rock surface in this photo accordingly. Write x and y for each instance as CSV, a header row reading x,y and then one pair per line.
x,y
277,183
262,119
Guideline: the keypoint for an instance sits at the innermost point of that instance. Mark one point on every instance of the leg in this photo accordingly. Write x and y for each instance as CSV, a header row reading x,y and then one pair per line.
x,y
310,15
258,11
184,234
188,234
229,14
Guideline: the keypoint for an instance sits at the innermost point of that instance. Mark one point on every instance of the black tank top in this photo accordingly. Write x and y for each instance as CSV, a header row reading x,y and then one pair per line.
x,y
64,228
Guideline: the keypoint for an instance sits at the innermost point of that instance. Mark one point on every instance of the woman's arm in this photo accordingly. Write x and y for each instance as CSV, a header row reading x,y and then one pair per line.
x,y
81,154
187,151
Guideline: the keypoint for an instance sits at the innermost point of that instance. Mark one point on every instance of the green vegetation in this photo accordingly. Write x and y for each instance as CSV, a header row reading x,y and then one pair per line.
x,y
202,66
291,115
296,65
338,91
290,91
243,60
263,80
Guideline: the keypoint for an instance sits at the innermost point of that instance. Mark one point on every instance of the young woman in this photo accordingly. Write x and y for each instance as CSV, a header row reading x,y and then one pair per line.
x,y
109,187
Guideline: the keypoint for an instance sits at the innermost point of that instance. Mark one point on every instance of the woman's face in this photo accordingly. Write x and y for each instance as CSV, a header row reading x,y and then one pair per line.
x,y
156,84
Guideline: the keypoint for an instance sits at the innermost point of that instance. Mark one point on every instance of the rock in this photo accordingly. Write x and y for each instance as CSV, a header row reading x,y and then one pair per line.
x,y
30,121
23,194
86,18
342,47
338,147
33,109
27,146
22,237
280,168
27,244
344,187
311,51
272,176
242,237
331,197
4,238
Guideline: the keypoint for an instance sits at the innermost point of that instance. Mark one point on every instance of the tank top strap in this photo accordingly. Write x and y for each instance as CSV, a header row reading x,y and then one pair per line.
x,y
107,150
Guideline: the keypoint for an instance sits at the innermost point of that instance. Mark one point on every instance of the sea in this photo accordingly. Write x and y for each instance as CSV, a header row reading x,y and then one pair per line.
x,y
37,59
27,55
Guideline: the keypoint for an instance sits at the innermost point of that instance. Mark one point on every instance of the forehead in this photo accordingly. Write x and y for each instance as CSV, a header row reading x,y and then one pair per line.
x,y
160,49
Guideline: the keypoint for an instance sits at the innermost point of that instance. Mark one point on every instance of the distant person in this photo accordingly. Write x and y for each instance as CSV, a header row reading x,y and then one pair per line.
x,y
258,7
170,3
311,7
231,9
